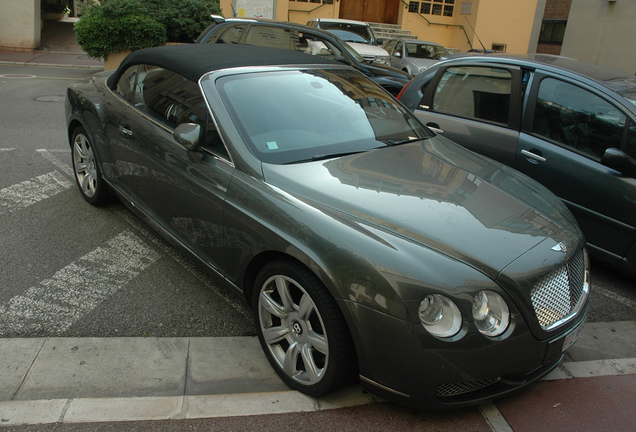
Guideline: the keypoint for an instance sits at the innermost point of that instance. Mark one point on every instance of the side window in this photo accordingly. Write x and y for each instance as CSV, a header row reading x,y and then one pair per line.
x,y
475,92
231,35
389,46
126,83
398,49
275,37
630,145
577,118
172,99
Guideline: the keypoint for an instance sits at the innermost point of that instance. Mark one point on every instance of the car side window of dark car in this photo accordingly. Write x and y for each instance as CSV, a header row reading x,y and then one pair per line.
x,y
172,99
577,118
478,92
630,144
126,82
230,36
289,39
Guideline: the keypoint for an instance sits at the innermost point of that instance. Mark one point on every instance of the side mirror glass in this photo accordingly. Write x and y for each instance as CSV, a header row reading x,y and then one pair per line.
x,y
619,161
188,135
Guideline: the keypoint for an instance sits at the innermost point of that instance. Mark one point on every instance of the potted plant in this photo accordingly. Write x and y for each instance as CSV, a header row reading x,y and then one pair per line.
x,y
111,29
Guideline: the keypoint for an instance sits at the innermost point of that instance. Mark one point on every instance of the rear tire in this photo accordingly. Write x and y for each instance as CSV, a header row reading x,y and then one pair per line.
x,y
88,175
302,330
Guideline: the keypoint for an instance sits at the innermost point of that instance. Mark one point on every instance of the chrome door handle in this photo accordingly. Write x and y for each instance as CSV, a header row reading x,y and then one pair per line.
x,y
534,156
125,132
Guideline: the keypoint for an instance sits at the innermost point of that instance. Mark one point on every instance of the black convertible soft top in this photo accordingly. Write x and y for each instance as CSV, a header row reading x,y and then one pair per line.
x,y
194,60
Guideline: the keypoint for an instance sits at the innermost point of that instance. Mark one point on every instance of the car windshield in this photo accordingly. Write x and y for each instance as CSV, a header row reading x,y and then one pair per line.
x,y
362,30
434,52
347,36
290,116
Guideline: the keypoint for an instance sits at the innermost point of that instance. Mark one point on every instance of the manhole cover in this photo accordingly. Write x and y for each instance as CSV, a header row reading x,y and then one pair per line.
x,y
50,99
17,76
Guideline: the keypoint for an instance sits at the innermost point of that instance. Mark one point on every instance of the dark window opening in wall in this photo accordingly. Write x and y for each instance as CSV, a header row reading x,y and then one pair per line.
x,y
499,47
552,31
434,7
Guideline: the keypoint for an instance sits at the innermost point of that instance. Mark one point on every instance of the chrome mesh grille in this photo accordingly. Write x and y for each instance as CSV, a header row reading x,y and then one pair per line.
x,y
560,294
454,389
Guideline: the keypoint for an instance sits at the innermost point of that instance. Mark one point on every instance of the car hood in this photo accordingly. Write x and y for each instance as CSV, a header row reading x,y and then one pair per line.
x,y
368,50
437,194
379,70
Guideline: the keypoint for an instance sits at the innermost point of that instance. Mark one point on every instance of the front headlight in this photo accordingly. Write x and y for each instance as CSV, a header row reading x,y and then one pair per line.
x,y
440,316
381,60
490,313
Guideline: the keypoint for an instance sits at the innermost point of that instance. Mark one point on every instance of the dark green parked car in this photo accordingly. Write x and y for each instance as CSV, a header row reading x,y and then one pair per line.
x,y
569,125
369,249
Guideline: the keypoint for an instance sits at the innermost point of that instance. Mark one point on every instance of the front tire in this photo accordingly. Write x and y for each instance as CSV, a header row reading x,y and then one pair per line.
x,y
86,168
302,330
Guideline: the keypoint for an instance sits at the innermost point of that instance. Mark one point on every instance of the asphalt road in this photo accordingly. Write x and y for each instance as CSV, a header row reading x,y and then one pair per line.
x,y
69,269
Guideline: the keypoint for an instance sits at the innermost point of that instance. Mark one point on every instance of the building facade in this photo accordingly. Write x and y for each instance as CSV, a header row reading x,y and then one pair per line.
x,y
594,31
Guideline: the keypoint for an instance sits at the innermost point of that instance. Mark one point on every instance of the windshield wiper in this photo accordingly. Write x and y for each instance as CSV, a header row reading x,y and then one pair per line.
x,y
324,156
406,141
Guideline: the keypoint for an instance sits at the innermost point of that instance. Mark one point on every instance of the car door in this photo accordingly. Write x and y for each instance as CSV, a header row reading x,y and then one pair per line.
x,y
182,191
477,106
397,55
566,133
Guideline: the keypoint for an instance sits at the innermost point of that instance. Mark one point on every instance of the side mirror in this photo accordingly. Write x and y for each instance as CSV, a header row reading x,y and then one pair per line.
x,y
379,42
398,54
619,161
188,135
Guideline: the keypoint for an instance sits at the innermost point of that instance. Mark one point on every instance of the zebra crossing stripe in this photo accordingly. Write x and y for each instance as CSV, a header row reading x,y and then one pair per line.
x,y
55,304
21,195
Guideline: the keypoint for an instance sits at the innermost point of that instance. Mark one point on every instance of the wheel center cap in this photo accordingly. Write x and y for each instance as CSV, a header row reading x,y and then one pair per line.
x,y
297,328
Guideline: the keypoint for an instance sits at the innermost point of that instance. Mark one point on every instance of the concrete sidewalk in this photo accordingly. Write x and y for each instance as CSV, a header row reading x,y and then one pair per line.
x,y
83,380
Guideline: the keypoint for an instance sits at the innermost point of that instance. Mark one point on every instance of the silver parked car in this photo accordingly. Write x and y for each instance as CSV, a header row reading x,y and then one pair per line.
x,y
413,56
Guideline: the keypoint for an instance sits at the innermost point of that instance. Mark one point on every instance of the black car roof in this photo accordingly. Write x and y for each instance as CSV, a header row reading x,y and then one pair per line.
x,y
195,60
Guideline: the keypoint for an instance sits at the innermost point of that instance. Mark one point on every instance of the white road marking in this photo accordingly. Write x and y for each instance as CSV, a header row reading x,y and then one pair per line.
x,y
55,304
196,271
627,302
495,419
6,149
64,166
21,195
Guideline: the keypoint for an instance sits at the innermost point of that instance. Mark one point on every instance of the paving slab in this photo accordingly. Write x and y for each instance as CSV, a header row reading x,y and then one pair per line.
x,y
108,367
605,340
229,366
16,358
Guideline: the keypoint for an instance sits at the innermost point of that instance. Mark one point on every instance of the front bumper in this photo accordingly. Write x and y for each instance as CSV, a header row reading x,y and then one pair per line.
x,y
401,362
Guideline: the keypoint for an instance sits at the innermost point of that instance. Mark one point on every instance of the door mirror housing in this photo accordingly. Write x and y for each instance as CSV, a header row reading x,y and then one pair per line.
x,y
619,161
189,135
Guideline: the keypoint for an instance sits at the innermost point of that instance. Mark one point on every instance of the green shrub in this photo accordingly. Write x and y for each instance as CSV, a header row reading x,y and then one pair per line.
x,y
112,26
